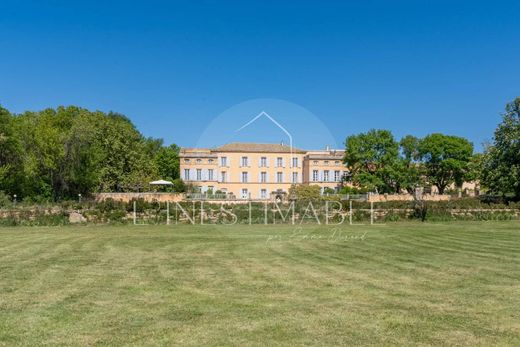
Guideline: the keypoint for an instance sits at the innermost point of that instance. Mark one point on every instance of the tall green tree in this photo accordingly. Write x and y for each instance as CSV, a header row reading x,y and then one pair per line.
x,y
446,159
501,161
409,162
71,150
59,156
167,162
379,163
9,153
371,158
126,164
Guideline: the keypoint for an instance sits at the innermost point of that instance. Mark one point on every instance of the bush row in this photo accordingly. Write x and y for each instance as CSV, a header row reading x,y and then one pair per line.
x,y
111,212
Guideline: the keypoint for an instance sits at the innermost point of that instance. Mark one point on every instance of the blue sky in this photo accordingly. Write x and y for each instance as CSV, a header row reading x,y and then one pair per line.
x,y
413,67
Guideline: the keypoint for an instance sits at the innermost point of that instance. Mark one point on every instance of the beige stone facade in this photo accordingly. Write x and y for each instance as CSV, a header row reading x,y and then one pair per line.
x,y
260,171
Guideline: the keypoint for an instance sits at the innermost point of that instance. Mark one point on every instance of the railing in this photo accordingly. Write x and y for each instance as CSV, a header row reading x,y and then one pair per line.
x,y
204,196
346,196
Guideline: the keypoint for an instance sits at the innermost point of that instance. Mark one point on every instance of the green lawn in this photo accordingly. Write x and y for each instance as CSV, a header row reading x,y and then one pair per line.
x,y
396,284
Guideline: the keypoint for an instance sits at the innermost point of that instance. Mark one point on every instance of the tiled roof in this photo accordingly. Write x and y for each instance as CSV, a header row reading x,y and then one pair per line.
x,y
257,148
334,155
197,152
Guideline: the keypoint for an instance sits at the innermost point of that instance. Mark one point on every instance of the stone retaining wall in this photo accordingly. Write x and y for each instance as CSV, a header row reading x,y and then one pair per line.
x,y
148,197
406,197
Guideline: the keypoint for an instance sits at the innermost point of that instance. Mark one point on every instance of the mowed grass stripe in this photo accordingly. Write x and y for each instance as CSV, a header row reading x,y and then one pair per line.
x,y
403,284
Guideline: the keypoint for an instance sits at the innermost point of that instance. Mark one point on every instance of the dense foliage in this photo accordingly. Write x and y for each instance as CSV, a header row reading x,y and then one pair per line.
x,y
60,153
501,162
446,159
379,163
305,192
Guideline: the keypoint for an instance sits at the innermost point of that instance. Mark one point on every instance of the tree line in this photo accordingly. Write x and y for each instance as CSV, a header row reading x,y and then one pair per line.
x,y
60,153
378,162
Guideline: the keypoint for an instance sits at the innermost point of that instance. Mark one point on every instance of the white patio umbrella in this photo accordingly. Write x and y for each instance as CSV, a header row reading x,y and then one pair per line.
x,y
161,183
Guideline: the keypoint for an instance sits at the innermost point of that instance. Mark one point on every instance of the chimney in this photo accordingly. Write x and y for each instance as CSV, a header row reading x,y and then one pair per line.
x,y
281,143
327,148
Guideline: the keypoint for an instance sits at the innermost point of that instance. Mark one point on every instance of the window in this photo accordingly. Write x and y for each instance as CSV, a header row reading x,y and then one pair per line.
x,y
186,160
295,162
279,162
294,177
223,176
244,177
263,177
336,176
336,162
345,175
279,177
263,194
245,195
263,162
326,162
244,162
210,175
315,175
210,161
223,161
315,162
326,176
186,174
199,161
199,174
